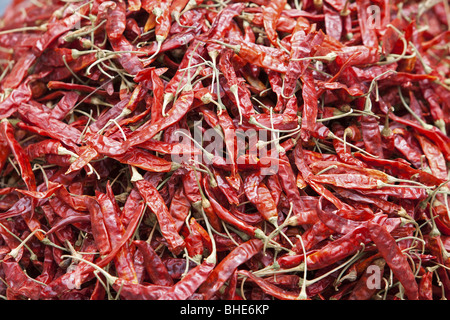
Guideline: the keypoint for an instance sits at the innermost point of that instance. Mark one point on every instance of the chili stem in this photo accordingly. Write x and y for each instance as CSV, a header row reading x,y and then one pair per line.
x,y
14,252
402,99
37,28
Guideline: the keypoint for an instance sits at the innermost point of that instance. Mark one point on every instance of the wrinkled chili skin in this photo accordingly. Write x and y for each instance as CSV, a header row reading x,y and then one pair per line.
x,y
394,258
238,150
228,265
166,222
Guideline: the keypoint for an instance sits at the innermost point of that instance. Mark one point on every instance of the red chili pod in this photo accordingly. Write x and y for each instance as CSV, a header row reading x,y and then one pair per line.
x,y
154,266
166,222
395,259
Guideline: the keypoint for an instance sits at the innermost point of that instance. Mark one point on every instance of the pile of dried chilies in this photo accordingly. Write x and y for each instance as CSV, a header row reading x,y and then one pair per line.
x,y
349,202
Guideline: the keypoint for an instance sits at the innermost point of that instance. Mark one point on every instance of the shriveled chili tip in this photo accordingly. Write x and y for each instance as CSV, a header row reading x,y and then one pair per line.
x,y
352,176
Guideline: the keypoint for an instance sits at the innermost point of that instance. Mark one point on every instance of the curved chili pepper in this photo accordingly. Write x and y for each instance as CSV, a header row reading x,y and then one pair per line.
x,y
335,222
310,107
155,268
53,127
221,23
404,143
41,148
180,207
202,233
235,87
301,46
186,287
69,220
258,193
426,287
386,206
226,215
398,191
115,231
166,222
148,130
368,34
255,54
395,259
333,23
400,169
194,245
354,181
343,247
229,131
20,285
271,14
433,134
434,156
7,132
270,288
288,183
145,160
371,135
116,22
228,265
99,230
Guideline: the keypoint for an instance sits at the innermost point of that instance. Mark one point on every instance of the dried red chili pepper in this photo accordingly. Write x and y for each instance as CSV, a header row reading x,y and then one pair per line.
x,y
255,54
226,215
20,286
270,288
155,268
355,102
180,108
115,230
271,14
258,193
186,287
7,131
228,265
425,287
235,88
156,203
395,259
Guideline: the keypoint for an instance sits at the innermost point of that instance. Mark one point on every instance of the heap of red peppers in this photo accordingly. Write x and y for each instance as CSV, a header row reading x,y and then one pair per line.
x,y
348,201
